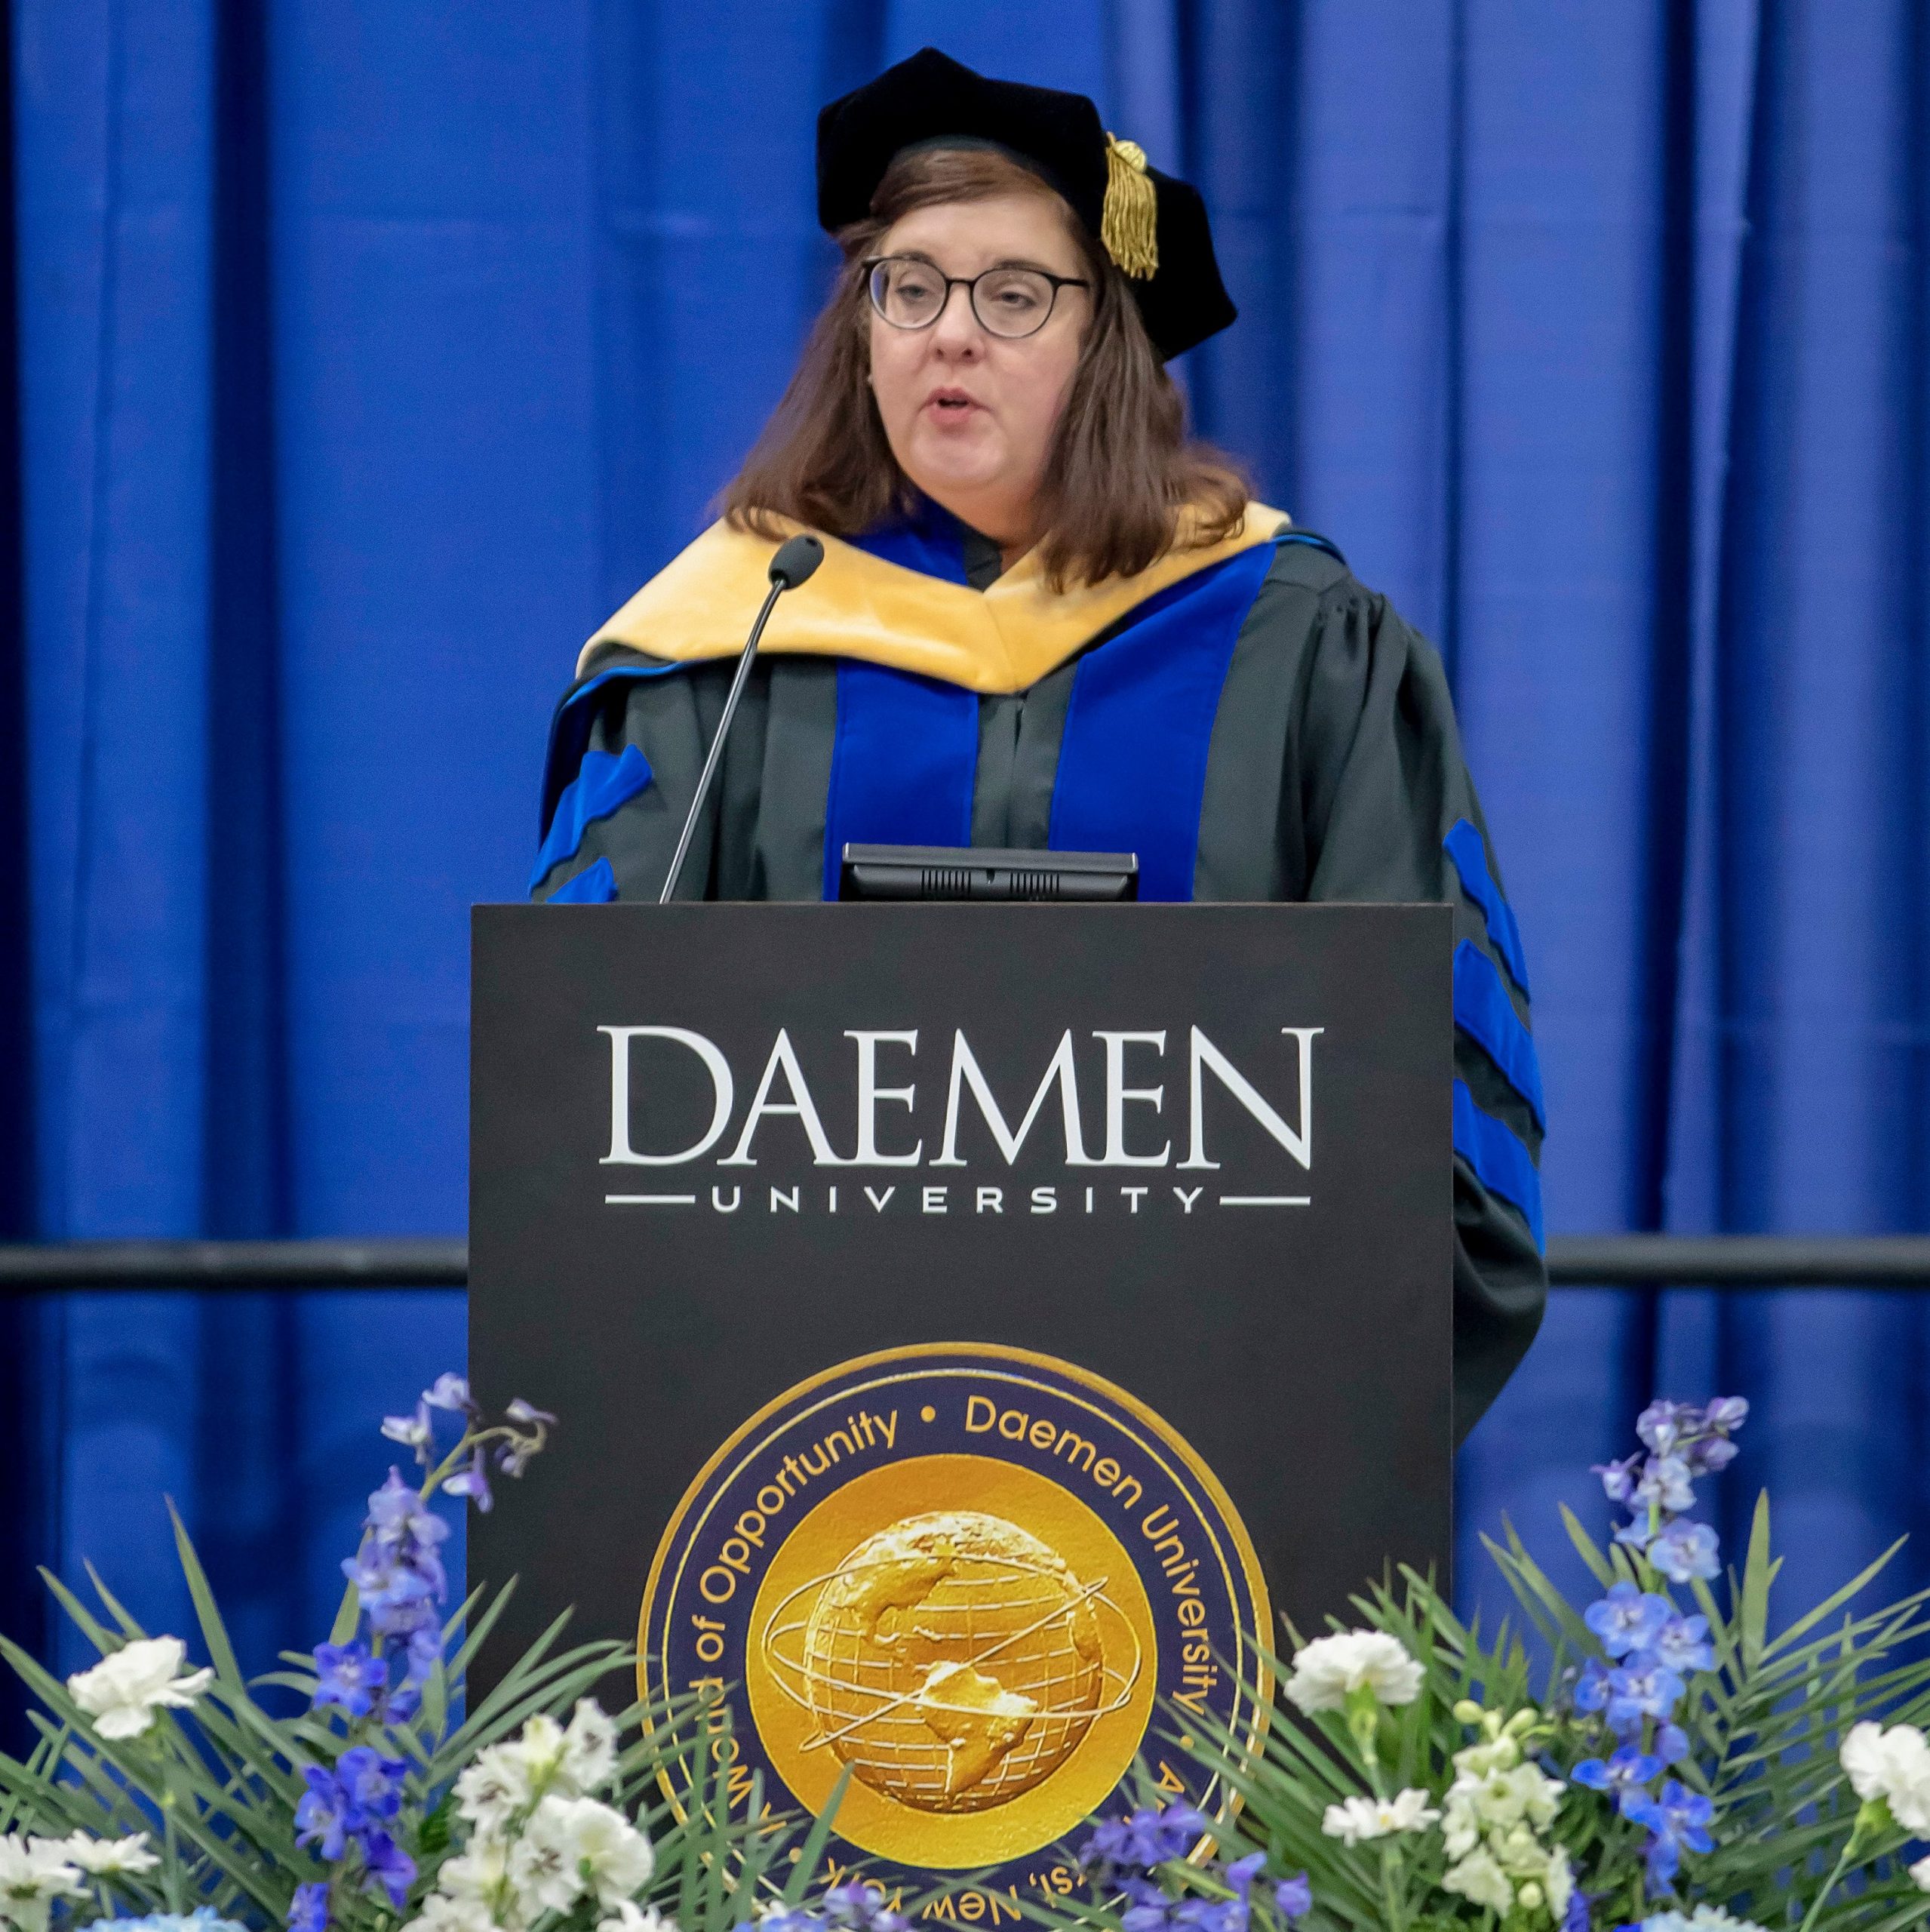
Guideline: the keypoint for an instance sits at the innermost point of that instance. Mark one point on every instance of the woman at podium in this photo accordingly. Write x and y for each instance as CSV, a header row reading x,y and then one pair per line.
x,y
1045,619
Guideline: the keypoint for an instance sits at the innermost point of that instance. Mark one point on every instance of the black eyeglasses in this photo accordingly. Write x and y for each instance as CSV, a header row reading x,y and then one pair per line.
x,y
910,294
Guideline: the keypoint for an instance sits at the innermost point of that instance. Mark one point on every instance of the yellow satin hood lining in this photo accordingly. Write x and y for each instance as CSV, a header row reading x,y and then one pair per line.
x,y
1005,638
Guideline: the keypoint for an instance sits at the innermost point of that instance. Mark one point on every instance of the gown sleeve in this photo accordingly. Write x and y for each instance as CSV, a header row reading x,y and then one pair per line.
x,y
1390,813
625,748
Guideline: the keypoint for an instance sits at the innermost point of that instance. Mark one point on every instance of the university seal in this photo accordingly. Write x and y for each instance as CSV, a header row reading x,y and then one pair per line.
x,y
968,1576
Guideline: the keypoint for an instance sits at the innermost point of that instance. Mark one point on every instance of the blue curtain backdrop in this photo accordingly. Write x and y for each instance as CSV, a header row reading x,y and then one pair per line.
x,y
370,350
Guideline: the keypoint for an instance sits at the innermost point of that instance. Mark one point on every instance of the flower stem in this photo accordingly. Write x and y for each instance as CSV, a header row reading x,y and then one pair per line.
x,y
1390,1894
1829,1883
171,1849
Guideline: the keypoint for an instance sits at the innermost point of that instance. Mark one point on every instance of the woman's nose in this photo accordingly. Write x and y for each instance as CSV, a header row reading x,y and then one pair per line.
x,y
957,330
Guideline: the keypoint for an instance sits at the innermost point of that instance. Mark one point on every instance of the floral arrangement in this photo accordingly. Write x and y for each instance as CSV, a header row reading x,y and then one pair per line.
x,y
351,1792
1660,1760
1670,1764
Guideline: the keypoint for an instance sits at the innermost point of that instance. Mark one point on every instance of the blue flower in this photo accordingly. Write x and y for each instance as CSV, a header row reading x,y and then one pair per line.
x,y
1591,1688
1624,1775
1683,1550
1642,1688
388,1865
326,1817
1627,1618
791,1918
1671,1744
372,1783
308,1912
1575,1919
349,1676
1682,1644
1678,1820
1293,1898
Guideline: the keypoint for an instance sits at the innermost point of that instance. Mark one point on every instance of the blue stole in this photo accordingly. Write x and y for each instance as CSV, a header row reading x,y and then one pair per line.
x,y
1133,759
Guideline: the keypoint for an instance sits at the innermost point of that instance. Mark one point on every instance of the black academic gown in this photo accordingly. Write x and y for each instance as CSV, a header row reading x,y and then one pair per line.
x,y
1267,729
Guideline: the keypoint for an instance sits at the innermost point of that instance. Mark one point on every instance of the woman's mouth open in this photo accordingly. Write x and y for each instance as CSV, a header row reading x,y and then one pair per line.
x,y
951,405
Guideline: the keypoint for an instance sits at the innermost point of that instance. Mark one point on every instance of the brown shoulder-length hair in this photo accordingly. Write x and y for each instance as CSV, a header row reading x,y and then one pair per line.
x,y
1121,468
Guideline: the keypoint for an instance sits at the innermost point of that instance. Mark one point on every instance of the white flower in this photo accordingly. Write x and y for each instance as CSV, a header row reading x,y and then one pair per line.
x,y
33,1873
1361,1818
121,1693
573,1845
110,1858
1920,1871
1326,1670
442,1913
589,1747
492,1789
1559,1880
1704,1918
1893,1765
1478,1878
538,1748
479,1874
631,1917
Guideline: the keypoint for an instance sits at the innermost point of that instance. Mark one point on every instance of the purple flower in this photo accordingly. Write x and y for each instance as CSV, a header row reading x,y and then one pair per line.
x,y
374,1783
1146,1838
1618,1478
1726,1413
1146,1906
1662,1425
1293,1898
1241,1873
308,1911
388,1865
416,1431
1678,1820
1683,1550
472,1480
399,1517
326,1817
1641,1688
398,1595
1682,1644
1624,1776
1665,1485
1636,1533
1575,1919
349,1676
860,1907
1627,1618
1671,1744
521,1411
450,1391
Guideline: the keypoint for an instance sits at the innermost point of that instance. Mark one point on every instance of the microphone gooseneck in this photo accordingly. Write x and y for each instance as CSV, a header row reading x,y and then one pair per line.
x,y
797,557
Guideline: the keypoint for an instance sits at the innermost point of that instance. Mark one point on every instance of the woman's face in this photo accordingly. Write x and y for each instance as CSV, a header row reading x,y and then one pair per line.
x,y
969,415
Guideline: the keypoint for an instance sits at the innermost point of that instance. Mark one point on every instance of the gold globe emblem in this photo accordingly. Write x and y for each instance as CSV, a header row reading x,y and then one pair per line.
x,y
953,1659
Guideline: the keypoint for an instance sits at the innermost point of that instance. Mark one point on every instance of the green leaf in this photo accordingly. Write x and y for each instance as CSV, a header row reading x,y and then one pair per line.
x,y
213,1631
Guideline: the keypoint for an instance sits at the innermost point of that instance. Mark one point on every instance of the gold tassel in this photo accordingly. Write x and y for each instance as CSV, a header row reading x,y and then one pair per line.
x,y
1129,220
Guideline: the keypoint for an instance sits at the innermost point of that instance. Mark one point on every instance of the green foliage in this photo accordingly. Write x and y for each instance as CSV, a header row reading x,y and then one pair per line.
x,y
216,1786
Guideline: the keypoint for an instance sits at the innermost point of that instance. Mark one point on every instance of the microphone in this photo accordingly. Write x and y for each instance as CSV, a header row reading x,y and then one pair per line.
x,y
796,559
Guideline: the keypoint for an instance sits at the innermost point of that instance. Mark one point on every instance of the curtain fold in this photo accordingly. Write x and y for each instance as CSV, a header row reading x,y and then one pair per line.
x,y
369,355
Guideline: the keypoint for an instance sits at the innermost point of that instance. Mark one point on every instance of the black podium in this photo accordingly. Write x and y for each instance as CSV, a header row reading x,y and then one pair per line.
x,y
967,1324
